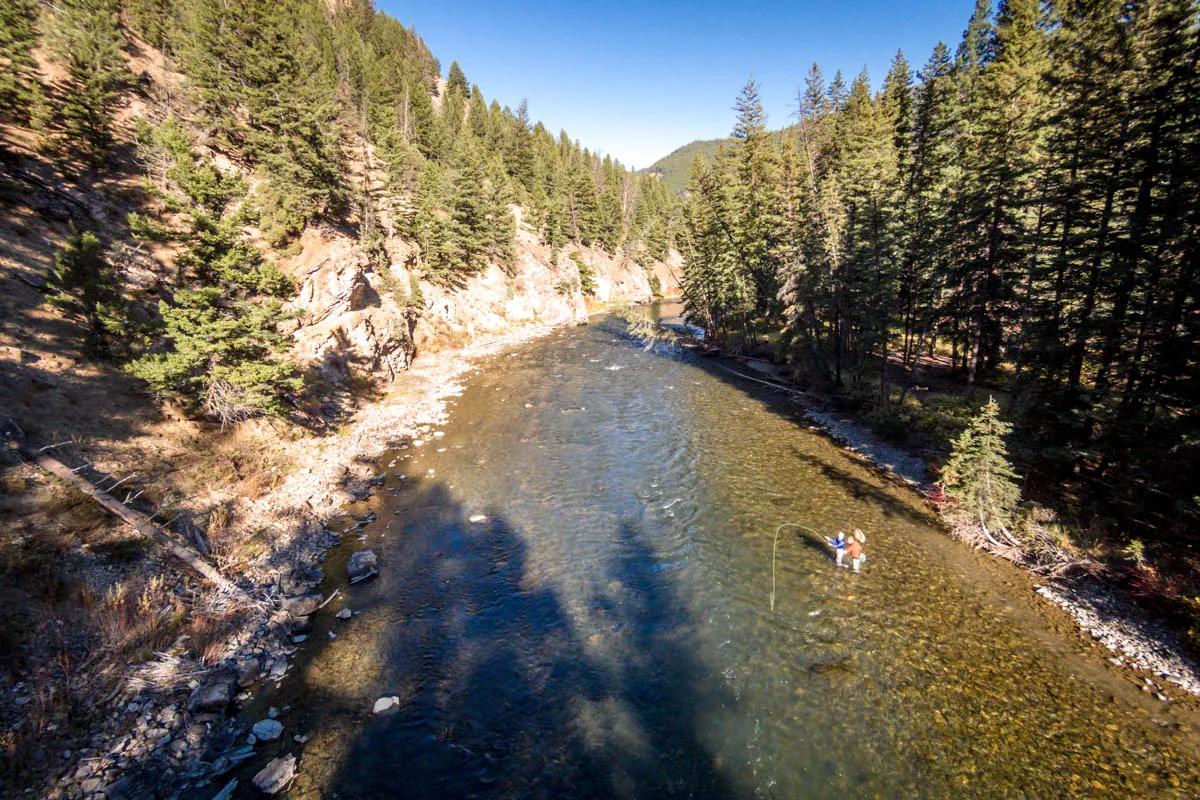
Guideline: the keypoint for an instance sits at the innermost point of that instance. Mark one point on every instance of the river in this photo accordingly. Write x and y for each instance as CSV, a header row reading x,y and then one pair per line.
x,y
607,630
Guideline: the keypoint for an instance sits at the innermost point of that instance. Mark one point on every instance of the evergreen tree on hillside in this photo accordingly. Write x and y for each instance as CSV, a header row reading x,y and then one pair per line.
x,y
87,287
478,118
583,204
226,358
89,43
429,130
18,74
457,80
266,80
837,93
154,20
222,355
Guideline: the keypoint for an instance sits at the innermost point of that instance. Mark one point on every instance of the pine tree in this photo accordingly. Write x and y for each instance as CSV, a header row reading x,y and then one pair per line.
x,y
928,223
18,74
898,106
87,287
457,80
1002,153
478,119
268,60
87,39
868,168
153,20
978,478
837,93
755,227
718,291
225,358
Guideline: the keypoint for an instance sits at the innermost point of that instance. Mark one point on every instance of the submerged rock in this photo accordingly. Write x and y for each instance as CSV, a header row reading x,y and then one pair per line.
x,y
345,613
362,565
230,759
477,518
267,729
276,775
386,704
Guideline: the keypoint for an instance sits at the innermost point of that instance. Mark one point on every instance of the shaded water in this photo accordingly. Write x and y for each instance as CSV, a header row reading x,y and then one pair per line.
x,y
606,631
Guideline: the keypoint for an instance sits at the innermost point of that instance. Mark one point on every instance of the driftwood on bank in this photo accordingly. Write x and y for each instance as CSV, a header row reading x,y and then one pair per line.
x,y
136,519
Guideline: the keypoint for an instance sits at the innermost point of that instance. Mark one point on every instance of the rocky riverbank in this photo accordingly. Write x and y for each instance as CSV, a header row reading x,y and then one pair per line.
x,y
177,734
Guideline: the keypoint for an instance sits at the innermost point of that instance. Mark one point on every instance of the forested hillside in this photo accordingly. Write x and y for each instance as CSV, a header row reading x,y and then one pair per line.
x,y
332,113
1020,215
673,168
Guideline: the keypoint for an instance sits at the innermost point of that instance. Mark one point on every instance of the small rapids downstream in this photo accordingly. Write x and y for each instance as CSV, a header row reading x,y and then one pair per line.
x,y
606,631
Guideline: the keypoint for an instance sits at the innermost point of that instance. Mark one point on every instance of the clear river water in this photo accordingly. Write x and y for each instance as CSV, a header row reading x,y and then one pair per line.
x,y
607,630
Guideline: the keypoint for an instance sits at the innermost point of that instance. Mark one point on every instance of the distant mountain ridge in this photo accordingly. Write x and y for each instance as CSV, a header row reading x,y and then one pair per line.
x,y
674,167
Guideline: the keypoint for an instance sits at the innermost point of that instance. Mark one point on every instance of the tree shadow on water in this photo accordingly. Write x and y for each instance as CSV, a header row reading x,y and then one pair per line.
x,y
501,693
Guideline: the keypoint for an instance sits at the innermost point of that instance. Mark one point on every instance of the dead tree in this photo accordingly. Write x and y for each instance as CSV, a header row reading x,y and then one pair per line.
x,y
137,520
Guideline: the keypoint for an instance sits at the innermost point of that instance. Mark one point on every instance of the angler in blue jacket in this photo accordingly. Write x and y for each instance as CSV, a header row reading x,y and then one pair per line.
x,y
838,543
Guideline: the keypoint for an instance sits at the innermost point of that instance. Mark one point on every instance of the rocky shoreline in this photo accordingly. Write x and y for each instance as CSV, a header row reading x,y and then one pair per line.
x,y
185,738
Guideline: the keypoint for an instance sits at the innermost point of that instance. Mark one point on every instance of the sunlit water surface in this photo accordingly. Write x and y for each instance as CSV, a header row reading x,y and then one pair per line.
x,y
607,631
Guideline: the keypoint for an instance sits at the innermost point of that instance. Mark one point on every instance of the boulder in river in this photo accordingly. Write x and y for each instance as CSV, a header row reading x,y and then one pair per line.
x,y
214,693
276,775
267,729
362,565
386,704
477,518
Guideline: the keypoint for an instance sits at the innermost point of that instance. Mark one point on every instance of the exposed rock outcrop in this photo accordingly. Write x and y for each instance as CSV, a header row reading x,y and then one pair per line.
x,y
350,313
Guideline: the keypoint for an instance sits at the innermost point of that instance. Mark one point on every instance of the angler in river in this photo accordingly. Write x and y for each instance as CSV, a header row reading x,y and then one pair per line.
x,y
849,545
590,638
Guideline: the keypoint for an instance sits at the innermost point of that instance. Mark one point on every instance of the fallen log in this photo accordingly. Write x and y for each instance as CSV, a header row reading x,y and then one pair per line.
x,y
136,519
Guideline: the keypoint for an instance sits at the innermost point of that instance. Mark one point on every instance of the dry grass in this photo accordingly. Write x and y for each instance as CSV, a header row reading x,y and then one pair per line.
x,y
167,671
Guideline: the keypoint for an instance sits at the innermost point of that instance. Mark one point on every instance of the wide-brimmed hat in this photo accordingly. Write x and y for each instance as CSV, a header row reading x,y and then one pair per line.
x,y
862,537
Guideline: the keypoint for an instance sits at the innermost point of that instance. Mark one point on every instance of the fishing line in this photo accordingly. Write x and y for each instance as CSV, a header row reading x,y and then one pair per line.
x,y
775,546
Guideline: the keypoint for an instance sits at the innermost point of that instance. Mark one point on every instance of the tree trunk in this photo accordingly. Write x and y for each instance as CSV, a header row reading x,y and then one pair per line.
x,y
139,521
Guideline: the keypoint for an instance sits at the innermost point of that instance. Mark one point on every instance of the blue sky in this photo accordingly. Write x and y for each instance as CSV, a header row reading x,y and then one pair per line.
x,y
637,80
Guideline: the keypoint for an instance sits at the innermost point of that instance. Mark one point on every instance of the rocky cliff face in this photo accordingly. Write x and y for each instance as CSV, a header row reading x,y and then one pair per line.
x,y
351,315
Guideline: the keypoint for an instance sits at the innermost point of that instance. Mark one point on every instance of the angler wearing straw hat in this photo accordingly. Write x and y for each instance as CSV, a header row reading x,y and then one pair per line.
x,y
854,549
